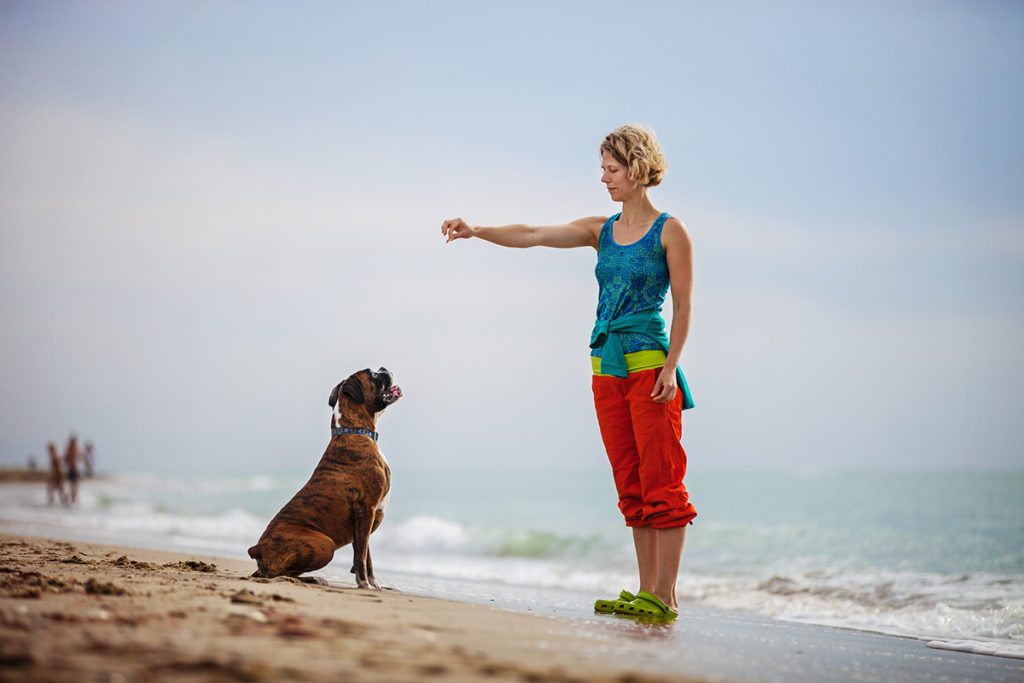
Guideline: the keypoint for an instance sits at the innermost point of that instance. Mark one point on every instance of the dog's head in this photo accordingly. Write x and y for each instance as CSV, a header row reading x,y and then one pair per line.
x,y
374,391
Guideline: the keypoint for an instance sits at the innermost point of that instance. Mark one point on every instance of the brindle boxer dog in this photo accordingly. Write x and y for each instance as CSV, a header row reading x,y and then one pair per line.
x,y
343,502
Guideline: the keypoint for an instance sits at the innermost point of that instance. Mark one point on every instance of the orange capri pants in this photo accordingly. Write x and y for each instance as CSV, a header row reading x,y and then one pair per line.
x,y
642,439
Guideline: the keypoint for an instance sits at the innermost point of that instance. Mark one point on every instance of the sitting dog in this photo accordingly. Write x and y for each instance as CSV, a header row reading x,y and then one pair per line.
x,y
343,502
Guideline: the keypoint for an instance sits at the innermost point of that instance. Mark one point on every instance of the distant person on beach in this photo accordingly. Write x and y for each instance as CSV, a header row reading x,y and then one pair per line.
x,y
639,392
90,460
55,482
72,459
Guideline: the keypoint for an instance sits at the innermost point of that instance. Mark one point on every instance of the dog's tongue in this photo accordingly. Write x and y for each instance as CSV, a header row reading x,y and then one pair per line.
x,y
394,394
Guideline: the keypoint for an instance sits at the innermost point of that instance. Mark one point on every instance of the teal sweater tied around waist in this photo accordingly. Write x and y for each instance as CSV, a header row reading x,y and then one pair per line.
x,y
613,361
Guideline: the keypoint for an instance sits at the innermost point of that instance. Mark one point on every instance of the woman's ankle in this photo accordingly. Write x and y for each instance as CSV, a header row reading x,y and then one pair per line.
x,y
666,596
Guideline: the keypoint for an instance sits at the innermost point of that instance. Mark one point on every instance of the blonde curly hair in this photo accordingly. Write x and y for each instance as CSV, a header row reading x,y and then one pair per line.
x,y
636,148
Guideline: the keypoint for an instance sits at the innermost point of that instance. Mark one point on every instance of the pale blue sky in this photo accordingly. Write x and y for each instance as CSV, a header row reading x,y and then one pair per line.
x,y
213,212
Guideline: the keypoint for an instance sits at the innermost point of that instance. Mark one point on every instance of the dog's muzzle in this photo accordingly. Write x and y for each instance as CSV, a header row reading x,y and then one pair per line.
x,y
388,391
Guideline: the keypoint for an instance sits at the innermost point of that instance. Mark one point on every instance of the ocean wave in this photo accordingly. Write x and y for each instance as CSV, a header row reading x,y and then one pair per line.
x,y
424,533
206,485
980,607
230,526
432,533
112,509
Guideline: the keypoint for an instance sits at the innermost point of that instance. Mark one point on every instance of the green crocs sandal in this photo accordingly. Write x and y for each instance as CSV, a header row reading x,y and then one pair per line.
x,y
646,605
608,606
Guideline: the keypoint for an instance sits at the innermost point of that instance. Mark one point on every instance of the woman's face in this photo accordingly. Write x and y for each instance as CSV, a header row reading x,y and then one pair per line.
x,y
614,176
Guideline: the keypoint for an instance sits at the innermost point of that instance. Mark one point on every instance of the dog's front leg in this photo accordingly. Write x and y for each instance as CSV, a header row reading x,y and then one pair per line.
x,y
361,523
369,568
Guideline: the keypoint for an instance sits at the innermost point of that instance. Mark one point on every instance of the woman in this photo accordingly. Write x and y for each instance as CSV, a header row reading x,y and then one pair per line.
x,y
639,393
72,456
55,482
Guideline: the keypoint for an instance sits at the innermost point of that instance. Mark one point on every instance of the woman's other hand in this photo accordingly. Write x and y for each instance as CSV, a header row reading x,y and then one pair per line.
x,y
456,228
665,388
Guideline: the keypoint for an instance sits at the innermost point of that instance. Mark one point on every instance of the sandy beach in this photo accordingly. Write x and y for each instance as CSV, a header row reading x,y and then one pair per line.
x,y
78,611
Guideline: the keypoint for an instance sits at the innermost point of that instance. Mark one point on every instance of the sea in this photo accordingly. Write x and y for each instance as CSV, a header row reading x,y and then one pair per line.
x,y
937,556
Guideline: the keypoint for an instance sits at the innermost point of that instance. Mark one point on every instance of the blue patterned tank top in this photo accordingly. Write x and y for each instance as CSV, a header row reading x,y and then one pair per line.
x,y
631,278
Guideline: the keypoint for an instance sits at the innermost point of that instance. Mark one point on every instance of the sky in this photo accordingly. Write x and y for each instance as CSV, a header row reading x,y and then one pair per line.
x,y
212,213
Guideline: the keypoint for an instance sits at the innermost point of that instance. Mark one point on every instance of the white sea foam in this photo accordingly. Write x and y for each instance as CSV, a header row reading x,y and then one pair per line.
x,y
929,606
108,511
424,533
230,526
996,649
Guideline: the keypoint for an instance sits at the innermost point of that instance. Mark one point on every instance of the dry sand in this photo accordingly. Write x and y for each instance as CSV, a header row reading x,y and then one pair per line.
x,y
78,611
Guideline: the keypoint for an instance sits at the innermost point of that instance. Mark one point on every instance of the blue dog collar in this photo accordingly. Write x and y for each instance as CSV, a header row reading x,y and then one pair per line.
x,y
338,431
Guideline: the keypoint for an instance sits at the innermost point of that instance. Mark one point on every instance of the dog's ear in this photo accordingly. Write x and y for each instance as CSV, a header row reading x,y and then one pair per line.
x,y
334,396
353,388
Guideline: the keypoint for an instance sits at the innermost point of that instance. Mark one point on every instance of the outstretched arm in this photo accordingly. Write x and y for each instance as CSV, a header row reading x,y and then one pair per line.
x,y
583,232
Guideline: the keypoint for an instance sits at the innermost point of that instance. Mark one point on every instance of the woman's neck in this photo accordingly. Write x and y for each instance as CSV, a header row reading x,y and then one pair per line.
x,y
638,209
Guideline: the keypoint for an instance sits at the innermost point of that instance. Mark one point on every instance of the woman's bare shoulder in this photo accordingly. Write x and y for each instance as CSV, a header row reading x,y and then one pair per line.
x,y
674,233
592,223
592,220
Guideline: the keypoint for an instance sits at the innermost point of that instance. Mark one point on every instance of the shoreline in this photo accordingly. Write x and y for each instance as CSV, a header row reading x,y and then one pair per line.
x,y
191,616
